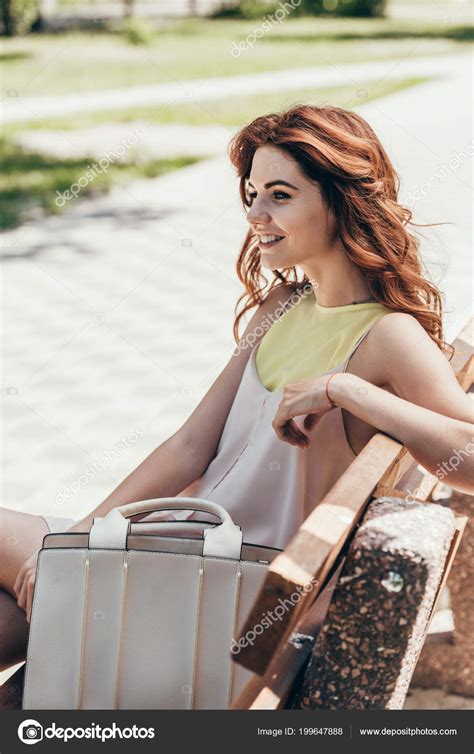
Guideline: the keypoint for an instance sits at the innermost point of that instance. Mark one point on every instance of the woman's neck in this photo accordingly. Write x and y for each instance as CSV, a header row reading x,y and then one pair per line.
x,y
338,281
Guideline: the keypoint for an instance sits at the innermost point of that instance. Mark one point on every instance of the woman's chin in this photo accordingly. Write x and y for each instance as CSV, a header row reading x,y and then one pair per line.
x,y
271,261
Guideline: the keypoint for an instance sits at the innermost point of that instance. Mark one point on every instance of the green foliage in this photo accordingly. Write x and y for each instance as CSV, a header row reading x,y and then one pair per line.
x,y
245,9
18,16
137,31
30,182
361,8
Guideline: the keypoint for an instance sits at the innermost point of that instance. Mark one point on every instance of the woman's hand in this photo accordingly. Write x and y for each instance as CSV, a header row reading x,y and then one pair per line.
x,y
25,584
304,397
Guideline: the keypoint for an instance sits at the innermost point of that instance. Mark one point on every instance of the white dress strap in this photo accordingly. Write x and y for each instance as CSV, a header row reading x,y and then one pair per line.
x,y
356,346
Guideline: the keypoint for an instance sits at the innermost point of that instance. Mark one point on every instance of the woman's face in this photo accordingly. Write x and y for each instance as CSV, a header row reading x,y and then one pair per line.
x,y
296,212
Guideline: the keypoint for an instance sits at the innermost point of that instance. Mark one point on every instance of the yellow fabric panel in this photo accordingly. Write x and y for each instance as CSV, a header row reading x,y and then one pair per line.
x,y
309,339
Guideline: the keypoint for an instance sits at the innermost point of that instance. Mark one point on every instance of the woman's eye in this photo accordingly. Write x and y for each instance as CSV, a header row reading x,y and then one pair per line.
x,y
281,195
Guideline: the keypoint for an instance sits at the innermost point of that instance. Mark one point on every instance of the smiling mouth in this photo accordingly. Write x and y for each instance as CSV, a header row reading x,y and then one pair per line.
x,y
269,244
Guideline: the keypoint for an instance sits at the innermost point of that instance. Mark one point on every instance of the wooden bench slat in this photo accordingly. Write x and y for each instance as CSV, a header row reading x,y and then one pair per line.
x,y
311,553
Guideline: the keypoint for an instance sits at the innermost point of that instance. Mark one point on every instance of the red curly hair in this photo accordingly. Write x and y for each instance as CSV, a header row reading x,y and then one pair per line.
x,y
338,149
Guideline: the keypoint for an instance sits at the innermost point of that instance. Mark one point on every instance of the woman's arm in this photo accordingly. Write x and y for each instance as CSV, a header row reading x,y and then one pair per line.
x,y
426,410
410,393
170,468
442,445
184,457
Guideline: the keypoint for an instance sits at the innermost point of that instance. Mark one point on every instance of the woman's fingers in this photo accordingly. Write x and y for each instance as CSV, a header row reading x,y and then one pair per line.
x,y
310,421
31,586
19,580
291,432
23,593
287,430
305,398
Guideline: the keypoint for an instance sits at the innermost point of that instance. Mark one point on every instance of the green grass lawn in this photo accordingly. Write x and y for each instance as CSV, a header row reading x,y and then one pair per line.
x,y
226,112
39,65
30,181
53,64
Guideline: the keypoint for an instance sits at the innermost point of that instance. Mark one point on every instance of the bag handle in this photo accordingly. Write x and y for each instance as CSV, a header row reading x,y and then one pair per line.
x,y
223,540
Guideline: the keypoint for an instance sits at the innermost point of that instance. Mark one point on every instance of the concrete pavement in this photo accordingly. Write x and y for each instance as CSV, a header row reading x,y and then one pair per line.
x,y
117,314
19,109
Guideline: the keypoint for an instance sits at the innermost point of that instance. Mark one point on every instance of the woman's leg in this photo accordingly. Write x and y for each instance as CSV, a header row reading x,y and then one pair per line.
x,y
14,631
11,692
21,534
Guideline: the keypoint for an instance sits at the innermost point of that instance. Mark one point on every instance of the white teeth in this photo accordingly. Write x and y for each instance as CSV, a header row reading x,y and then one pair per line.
x,y
268,239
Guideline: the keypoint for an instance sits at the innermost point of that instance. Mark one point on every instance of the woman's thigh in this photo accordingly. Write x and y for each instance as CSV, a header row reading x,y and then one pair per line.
x,y
21,534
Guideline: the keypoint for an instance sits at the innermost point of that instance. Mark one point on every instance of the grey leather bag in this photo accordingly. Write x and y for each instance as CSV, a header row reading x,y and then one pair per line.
x,y
142,615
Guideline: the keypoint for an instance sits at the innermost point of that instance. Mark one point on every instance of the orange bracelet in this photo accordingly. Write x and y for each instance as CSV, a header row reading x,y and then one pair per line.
x,y
334,405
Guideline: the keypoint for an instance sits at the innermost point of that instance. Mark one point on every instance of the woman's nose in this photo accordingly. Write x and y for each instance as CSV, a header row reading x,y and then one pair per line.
x,y
257,214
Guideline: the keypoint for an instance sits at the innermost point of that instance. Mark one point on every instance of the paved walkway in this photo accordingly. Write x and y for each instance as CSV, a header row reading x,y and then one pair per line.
x,y
135,140
204,90
117,314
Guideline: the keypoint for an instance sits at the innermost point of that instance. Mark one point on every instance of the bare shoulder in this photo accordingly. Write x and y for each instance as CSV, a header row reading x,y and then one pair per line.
x,y
399,346
279,296
398,327
266,312
410,364
271,307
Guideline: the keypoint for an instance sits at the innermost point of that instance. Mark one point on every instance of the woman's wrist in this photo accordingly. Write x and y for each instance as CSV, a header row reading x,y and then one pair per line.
x,y
342,386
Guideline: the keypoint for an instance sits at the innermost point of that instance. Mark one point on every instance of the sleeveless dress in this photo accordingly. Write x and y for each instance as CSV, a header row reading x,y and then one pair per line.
x,y
268,486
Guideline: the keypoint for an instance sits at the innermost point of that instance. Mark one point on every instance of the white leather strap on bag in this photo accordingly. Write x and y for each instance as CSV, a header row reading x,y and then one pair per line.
x,y
223,540
109,532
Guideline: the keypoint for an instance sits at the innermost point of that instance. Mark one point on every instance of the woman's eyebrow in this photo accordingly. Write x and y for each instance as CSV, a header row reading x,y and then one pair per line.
x,y
274,183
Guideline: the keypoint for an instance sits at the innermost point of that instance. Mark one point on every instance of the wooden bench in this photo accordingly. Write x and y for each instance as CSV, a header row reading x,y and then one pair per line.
x,y
302,660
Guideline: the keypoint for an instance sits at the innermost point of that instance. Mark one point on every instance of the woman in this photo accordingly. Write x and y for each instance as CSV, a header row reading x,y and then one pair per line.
x,y
353,347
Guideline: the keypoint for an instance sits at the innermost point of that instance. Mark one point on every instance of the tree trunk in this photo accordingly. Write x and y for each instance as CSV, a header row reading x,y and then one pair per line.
x,y
129,9
8,25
